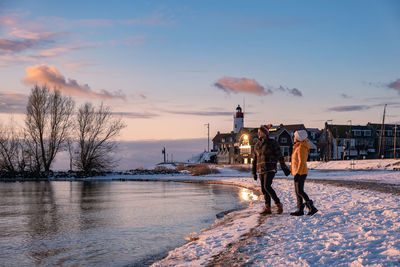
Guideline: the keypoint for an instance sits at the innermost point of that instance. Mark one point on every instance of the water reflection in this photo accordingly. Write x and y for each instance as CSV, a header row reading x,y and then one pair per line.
x,y
97,223
247,195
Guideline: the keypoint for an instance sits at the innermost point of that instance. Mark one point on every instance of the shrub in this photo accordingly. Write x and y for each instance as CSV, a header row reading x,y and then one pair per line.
x,y
202,169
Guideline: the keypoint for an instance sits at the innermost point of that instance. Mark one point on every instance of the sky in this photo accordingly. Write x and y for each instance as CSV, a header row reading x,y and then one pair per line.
x,y
170,67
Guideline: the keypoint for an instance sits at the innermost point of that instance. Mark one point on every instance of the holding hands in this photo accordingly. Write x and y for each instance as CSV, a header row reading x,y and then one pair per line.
x,y
286,171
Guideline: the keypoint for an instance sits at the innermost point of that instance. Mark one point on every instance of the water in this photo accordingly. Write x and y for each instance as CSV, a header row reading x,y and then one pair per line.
x,y
104,223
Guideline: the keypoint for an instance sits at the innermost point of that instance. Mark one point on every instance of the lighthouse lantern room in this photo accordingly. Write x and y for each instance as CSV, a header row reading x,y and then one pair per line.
x,y
238,120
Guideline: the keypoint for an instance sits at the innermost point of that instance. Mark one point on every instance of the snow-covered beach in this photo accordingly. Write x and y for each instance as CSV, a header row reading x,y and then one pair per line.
x,y
354,227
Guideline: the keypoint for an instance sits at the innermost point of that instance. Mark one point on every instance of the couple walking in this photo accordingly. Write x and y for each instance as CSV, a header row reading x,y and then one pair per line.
x,y
267,153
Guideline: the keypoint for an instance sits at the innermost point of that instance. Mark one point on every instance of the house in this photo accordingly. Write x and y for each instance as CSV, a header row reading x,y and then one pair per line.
x,y
237,147
385,143
313,135
348,142
315,147
284,138
223,144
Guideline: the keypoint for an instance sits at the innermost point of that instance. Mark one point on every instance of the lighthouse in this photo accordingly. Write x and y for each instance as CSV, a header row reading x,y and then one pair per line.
x,y
238,120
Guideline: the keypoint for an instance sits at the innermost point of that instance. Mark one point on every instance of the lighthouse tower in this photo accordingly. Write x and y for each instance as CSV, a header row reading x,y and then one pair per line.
x,y
238,119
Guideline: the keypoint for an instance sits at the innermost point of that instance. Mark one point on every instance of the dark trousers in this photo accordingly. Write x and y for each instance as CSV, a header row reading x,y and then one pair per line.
x,y
299,181
266,188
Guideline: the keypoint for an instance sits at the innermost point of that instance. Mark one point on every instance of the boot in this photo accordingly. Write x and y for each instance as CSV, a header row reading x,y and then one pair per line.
x,y
311,208
279,208
299,211
266,210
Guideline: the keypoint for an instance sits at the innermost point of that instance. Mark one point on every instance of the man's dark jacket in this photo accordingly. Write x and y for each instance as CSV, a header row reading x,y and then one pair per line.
x,y
267,153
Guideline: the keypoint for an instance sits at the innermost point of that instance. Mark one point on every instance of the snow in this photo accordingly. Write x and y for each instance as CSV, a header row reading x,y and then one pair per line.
x,y
201,158
366,164
353,227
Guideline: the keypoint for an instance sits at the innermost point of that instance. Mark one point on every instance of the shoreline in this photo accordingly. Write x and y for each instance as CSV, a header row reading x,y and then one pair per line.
x,y
231,254
227,249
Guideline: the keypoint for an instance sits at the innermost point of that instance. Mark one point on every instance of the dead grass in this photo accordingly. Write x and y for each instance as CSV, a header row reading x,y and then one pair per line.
x,y
160,168
198,169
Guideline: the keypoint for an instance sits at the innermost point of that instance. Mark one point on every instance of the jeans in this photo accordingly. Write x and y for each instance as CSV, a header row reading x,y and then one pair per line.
x,y
299,181
266,188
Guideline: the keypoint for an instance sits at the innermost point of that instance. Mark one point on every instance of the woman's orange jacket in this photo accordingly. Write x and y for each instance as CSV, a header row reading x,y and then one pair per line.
x,y
299,158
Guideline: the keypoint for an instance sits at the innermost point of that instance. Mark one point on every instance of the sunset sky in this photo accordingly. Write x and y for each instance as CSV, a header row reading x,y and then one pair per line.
x,y
169,67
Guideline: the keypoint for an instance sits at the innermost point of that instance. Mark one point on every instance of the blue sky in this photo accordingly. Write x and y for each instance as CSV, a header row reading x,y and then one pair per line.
x,y
171,66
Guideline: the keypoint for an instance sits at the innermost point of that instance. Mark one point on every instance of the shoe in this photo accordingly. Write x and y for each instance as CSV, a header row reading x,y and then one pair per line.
x,y
279,208
311,208
266,210
299,211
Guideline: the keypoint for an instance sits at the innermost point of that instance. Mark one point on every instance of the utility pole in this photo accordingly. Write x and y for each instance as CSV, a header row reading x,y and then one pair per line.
x,y
350,135
382,133
208,136
163,152
395,134
330,152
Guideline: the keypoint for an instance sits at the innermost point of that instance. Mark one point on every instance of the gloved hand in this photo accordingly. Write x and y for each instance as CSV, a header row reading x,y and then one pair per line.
x,y
286,171
255,176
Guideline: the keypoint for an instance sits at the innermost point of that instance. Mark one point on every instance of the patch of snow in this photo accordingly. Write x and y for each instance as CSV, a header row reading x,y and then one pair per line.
x,y
366,164
201,158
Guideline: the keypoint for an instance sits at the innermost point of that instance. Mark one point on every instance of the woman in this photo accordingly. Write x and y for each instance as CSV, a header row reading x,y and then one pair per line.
x,y
299,170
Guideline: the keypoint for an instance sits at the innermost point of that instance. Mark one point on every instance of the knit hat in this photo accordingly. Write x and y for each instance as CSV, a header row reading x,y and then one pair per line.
x,y
264,129
300,135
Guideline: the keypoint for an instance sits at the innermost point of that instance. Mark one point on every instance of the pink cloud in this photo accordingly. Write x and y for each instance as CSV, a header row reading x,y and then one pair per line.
x,y
242,85
395,85
49,75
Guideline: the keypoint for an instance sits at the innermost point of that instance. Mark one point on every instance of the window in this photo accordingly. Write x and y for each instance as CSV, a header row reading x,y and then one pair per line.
x,y
367,133
357,133
313,135
389,133
223,140
285,151
283,140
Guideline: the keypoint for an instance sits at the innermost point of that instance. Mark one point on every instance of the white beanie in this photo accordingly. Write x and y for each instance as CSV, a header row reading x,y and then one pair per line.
x,y
300,135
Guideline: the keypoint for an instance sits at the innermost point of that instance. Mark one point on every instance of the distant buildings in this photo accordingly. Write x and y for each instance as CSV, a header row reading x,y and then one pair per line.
x,y
334,142
360,141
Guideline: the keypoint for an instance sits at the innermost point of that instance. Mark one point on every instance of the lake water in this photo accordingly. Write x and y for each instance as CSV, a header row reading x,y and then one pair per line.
x,y
104,223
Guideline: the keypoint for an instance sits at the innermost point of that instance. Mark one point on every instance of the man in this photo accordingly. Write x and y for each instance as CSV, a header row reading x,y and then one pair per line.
x,y
267,153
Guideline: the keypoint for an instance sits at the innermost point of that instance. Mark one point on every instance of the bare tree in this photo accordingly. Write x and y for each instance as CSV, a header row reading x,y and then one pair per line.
x,y
11,149
48,123
70,146
97,128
